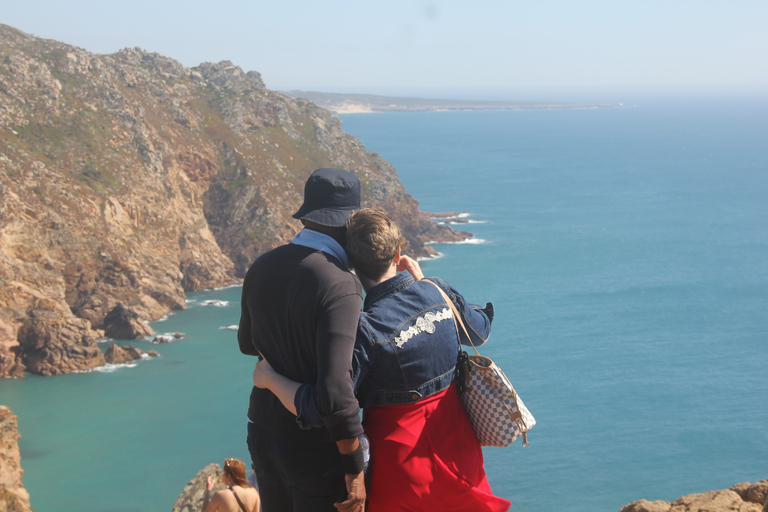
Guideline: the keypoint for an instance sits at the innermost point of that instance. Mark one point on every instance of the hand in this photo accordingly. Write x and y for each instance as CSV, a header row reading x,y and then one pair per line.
x,y
412,266
211,482
263,374
355,494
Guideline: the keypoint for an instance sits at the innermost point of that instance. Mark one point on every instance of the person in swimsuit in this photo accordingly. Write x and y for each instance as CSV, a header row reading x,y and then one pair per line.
x,y
239,496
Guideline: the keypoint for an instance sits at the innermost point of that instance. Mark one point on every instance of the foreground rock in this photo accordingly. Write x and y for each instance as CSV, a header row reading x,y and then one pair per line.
x,y
744,497
13,496
128,179
191,498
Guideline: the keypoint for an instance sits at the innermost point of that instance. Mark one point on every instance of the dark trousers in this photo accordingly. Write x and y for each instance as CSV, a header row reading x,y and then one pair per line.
x,y
295,474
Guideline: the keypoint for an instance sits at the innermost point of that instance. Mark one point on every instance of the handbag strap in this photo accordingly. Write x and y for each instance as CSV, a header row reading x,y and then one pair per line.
x,y
515,416
456,316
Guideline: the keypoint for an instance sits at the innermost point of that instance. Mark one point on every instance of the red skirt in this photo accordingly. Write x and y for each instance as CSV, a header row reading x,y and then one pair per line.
x,y
425,457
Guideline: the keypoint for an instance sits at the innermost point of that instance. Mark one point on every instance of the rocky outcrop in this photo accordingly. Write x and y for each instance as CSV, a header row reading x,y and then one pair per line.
x,y
128,179
191,498
13,496
55,343
744,497
116,354
122,323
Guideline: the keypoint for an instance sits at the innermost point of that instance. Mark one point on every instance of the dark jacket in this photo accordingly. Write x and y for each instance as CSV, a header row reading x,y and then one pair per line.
x,y
300,310
406,344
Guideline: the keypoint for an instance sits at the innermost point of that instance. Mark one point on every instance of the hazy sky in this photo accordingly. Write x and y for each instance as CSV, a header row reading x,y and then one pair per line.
x,y
398,46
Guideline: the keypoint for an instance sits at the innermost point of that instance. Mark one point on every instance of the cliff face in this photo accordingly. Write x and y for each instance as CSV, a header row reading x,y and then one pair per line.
x,y
13,496
126,179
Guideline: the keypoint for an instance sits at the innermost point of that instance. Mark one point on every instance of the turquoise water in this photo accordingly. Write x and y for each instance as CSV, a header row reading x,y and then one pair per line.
x,y
626,253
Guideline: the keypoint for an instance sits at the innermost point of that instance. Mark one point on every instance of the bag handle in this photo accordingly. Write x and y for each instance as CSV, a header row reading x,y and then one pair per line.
x,y
456,316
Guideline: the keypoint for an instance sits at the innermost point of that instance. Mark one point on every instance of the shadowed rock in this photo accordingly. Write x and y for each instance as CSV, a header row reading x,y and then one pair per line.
x,y
123,324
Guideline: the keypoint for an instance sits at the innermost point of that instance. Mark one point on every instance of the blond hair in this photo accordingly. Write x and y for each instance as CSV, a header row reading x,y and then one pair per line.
x,y
373,241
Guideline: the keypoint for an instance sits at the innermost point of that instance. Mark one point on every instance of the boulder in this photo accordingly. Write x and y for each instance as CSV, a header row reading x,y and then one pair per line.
x,y
744,497
152,353
133,352
756,493
119,355
714,501
123,324
647,506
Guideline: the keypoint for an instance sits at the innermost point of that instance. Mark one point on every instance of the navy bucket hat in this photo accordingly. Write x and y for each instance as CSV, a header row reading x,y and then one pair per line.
x,y
330,197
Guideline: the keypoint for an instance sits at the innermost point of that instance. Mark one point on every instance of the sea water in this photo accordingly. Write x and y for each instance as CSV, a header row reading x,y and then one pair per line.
x,y
626,253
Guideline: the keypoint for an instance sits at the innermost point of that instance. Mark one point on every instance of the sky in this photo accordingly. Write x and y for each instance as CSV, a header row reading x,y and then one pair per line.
x,y
477,49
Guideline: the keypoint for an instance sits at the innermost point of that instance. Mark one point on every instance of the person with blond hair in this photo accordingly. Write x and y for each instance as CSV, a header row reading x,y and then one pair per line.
x,y
238,496
424,454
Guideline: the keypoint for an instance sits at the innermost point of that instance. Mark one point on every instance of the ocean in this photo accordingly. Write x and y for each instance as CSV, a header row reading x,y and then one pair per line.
x,y
626,253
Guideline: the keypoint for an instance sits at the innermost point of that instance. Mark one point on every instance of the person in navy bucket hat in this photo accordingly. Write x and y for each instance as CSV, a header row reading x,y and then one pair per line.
x,y
299,310
330,197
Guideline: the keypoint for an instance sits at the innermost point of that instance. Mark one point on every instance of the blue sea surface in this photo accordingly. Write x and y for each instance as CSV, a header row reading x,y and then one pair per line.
x,y
626,252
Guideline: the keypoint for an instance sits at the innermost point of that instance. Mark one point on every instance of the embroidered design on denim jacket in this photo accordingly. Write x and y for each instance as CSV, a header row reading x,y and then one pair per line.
x,y
424,323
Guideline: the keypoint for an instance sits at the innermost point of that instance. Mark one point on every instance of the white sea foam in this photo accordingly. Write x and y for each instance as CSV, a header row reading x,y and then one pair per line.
x,y
236,285
164,317
109,368
217,303
462,215
470,241
430,258
230,327
468,221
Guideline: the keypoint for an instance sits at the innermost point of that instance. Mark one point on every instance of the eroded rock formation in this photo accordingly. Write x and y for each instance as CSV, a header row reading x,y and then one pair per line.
x,y
127,179
13,496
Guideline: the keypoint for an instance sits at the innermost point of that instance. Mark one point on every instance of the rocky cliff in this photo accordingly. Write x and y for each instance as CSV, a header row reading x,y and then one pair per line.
x,y
13,496
127,179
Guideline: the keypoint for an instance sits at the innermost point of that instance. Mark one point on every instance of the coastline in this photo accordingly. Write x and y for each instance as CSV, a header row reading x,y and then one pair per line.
x,y
372,104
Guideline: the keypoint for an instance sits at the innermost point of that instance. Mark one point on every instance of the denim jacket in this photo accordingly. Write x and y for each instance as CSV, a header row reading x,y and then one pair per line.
x,y
406,345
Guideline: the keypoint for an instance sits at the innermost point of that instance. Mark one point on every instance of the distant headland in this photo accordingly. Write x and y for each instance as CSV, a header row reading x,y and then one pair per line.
x,y
368,103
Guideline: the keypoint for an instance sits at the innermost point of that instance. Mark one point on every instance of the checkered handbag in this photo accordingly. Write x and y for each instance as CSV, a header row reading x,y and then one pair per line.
x,y
496,411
